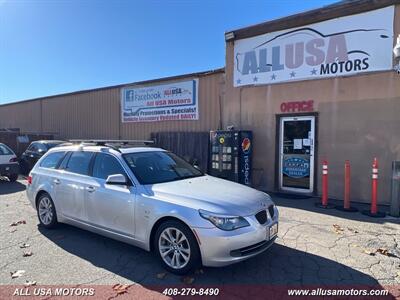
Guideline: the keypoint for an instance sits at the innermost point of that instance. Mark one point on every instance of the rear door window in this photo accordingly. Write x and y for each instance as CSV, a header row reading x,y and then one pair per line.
x,y
79,162
64,162
52,160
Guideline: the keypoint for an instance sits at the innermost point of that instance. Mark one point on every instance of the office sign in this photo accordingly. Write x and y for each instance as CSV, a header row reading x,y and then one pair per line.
x,y
166,102
297,106
337,47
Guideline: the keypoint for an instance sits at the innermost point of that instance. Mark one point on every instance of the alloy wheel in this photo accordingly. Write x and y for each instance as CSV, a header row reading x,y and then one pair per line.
x,y
174,248
45,210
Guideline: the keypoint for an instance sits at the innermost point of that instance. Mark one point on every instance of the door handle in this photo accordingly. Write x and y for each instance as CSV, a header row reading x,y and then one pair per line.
x,y
90,189
57,181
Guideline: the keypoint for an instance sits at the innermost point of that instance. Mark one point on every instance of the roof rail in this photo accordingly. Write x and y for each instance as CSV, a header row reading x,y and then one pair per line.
x,y
112,143
122,142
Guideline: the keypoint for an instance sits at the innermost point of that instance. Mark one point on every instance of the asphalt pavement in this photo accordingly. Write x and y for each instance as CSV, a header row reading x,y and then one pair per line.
x,y
314,247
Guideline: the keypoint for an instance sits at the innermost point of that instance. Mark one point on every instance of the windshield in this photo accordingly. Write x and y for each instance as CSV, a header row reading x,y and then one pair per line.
x,y
157,167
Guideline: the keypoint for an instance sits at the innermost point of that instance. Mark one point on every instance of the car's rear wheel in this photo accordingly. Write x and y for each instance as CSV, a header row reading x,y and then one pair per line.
x,y
13,177
46,211
176,247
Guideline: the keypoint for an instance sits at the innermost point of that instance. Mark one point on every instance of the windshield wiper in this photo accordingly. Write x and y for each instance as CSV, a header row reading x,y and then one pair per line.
x,y
191,176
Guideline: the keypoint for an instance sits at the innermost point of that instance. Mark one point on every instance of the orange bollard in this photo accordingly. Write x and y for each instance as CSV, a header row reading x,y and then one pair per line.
x,y
373,212
324,198
325,183
374,197
346,200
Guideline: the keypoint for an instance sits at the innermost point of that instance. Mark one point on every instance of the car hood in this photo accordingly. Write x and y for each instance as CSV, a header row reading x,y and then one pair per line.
x,y
212,194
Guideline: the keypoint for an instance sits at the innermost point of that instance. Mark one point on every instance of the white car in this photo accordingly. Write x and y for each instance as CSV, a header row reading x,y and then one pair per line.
x,y
155,200
9,166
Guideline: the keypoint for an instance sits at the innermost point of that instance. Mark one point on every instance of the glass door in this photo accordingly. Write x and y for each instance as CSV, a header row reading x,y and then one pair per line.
x,y
296,157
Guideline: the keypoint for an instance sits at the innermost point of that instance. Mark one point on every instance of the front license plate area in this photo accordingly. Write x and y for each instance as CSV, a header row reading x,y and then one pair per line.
x,y
272,231
7,168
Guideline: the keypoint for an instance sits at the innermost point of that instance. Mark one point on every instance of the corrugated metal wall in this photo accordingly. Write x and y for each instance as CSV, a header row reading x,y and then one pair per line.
x,y
96,113
24,115
93,114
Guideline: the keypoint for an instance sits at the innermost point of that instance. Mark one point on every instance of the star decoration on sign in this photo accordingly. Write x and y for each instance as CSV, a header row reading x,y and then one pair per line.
x,y
255,78
293,74
314,71
273,77
238,81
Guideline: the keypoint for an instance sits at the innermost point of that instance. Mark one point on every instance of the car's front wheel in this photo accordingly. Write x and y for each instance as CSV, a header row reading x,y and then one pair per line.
x,y
46,211
176,247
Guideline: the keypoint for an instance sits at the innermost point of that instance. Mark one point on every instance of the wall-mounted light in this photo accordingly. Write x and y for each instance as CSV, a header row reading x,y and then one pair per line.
x,y
229,36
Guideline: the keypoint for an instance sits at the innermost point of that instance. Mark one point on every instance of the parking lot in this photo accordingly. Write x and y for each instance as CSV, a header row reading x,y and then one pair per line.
x,y
314,247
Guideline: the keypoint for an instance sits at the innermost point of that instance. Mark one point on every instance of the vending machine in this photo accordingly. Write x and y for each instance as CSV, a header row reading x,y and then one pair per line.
x,y
231,155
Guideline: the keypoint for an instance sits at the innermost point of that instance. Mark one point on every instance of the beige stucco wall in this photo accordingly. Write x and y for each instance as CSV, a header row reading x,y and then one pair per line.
x,y
358,119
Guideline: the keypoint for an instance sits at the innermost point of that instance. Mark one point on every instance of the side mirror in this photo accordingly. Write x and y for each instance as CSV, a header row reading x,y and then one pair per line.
x,y
117,179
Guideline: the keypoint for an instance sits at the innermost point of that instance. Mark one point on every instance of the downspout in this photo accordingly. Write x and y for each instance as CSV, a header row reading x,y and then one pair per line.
x,y
240,109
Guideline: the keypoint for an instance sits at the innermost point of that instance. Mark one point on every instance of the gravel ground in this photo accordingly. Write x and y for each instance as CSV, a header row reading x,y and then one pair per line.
x,y
317,247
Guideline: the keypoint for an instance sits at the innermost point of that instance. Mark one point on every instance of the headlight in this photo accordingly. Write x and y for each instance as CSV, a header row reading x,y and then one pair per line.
x,y
224,222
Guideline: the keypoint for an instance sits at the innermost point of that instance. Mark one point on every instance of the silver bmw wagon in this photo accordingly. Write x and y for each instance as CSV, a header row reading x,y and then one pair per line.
x,y
151,198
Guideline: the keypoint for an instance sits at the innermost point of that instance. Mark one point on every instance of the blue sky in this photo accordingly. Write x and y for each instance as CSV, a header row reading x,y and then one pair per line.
x,y
51,47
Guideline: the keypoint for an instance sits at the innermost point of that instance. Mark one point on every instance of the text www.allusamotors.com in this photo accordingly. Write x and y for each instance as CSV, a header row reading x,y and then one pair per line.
x,y
337,292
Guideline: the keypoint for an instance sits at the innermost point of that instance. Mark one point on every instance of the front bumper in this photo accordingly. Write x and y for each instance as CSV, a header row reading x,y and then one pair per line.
x,y
9,169
220,248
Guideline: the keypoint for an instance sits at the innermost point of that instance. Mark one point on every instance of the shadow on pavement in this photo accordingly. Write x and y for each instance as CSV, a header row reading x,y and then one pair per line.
x,y
278,266
7,187
308,204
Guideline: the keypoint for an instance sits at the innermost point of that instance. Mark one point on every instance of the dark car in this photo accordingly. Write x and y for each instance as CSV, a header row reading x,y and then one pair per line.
x,y
8,163
35,151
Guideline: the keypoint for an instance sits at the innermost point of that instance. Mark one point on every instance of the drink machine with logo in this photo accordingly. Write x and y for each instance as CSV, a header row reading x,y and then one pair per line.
x,y
231,155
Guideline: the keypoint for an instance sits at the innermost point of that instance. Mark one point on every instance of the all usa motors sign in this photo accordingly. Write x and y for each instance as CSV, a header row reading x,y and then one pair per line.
x,y
167,102
337,47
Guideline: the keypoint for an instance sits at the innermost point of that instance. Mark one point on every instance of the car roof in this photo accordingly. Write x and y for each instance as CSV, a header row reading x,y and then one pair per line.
x,y
127,150
49,141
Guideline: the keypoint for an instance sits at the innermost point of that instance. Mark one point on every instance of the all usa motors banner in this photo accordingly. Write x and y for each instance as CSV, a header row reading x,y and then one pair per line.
x,y
167,102
338,47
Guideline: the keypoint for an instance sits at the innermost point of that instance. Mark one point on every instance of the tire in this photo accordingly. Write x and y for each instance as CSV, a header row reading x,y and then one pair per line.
x,y
46,211
13,177
187,253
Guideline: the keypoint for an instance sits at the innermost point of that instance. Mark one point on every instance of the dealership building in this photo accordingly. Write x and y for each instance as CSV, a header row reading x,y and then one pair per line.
x,y
319,85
